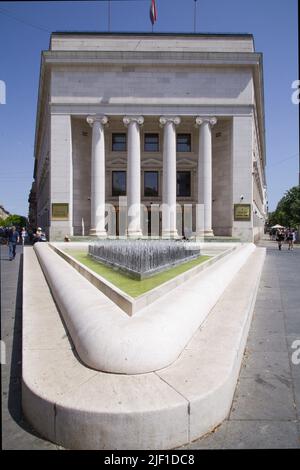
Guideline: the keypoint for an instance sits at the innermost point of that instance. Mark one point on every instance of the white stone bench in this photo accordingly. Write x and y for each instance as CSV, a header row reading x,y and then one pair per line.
x,y
80,408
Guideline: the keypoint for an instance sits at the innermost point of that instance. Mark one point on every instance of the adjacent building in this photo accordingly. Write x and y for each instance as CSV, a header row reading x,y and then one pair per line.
x,y
3,213
167,120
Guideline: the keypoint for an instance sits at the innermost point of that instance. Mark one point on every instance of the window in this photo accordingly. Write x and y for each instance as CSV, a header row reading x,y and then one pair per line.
x,y
151,183
119,183
119,142
183,183
183,143
151,143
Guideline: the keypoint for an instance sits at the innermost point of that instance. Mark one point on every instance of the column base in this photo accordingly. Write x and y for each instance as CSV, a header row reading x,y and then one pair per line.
x,y
169,234
204,233
98,233
208,233
134,234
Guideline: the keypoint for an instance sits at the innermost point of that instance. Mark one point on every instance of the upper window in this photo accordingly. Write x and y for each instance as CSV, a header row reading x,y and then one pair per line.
x,y
151,183
151,143
119,183
184,183
119,142
183,143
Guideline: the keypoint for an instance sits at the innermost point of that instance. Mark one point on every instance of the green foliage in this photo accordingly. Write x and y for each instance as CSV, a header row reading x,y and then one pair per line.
x,y
14,219
287,212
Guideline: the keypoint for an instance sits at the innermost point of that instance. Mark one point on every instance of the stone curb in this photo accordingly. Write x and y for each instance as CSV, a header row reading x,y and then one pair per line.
x,y
127,303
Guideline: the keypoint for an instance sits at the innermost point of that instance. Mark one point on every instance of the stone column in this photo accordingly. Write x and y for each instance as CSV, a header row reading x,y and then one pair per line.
x,y
169,229
98,176
134,175
205,173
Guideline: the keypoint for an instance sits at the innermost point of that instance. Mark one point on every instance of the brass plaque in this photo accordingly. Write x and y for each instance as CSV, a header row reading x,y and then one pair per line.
x,y
60,211
242,212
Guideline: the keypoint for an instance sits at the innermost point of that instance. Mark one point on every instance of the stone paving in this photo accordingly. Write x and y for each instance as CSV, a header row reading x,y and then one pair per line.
x,y
17,434
266,408
265,412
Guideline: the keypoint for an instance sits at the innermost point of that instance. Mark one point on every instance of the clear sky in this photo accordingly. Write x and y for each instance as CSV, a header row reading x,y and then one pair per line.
x,y
25,29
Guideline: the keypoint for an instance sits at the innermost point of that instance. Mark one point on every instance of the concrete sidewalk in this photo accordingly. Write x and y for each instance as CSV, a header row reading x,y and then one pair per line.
x,y
265,412
16,433
266,408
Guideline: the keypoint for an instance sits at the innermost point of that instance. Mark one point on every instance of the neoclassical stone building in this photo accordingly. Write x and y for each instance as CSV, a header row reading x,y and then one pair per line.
x,y
171,119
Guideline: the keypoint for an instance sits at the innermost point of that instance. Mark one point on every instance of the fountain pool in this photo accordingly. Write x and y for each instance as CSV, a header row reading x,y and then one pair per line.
x,y
142,258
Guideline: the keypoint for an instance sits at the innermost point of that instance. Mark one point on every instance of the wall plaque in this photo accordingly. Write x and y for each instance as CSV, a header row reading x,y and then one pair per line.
x,y
242,212
60,211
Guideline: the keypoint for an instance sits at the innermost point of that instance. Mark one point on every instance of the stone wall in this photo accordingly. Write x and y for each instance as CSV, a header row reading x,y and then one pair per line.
x,y
139,85
42,183
140,42
222,178
242,181
81,151
61,173
3,213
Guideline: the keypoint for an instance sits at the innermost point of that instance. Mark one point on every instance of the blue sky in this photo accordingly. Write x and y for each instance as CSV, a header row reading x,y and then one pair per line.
x,y
24,32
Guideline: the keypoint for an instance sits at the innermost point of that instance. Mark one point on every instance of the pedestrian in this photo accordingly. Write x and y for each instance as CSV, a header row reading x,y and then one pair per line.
x,y
13,239
289,238
39,236
294,234
3,236
274,234
24,235
280,238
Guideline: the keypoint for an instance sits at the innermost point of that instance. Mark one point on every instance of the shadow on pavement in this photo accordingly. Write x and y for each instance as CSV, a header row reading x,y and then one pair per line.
x,y
15,382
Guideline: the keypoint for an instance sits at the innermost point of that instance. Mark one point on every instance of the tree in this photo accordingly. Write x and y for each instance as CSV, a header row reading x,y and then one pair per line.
x,y
14,219
287,212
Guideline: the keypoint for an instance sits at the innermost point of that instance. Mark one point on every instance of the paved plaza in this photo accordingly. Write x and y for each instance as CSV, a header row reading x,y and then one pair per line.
x,y
16,432
266,408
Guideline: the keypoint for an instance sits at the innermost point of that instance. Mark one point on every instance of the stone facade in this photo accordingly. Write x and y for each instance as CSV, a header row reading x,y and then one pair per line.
x,y
3,213
208,87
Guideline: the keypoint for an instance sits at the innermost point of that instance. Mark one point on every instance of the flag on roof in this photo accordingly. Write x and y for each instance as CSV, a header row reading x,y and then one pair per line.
x,y
153,12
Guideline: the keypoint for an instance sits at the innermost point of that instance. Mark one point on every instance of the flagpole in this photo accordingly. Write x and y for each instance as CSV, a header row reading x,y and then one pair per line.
x,y
108,15
195,14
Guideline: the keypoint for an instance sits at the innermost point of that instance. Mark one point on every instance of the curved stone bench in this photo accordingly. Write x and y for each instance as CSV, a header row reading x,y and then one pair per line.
x,y
106,339
80,408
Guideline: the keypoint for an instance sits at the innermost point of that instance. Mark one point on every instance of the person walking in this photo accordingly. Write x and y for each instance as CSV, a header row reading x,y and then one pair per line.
x,y
280,238
24,235
13,239
289,238
294,236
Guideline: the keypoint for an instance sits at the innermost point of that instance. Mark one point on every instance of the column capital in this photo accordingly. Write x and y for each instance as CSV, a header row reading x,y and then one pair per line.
x,y
128,119
91,119
174,119
202,119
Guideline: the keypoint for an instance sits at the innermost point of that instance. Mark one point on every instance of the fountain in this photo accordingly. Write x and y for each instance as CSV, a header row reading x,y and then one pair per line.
x,y
142,258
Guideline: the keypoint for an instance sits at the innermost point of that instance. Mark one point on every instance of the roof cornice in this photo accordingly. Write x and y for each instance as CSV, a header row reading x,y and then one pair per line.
x,y
152,57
